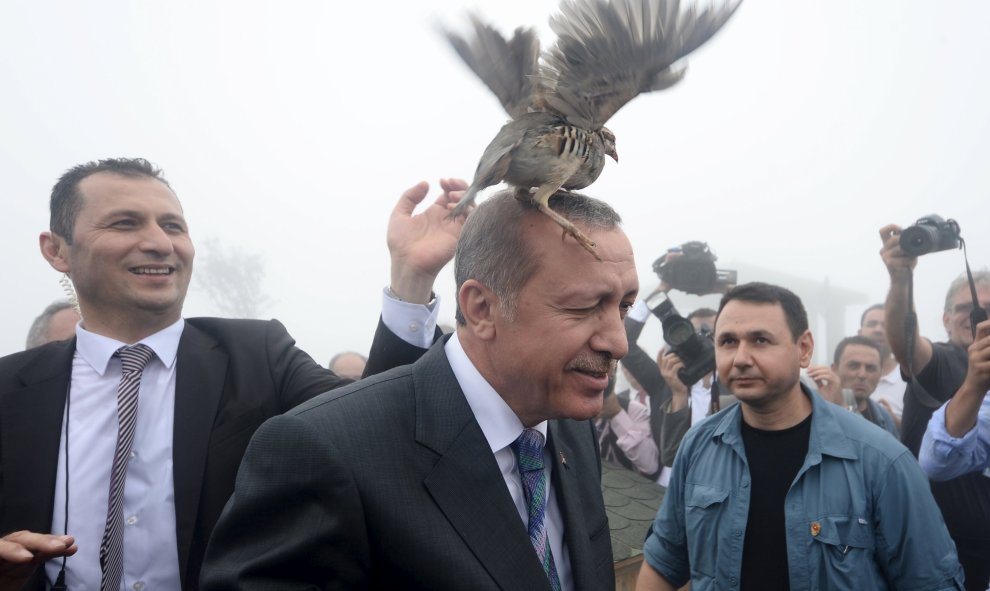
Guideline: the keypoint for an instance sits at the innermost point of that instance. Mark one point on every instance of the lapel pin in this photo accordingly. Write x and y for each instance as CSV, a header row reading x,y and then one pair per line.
x,y
563,459
816,528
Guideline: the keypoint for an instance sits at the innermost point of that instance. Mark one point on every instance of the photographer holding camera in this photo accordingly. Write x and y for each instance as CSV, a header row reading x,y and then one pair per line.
x,y
938,371
680,381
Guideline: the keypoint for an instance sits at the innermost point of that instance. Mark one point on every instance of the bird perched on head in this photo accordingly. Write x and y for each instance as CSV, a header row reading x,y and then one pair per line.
x,y
607,52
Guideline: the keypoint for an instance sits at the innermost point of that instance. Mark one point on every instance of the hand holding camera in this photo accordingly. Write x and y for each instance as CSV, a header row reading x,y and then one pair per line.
x,y
670,366
695,351
903,246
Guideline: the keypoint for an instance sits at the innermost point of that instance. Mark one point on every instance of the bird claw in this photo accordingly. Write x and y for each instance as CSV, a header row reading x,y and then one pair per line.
x,y
583,240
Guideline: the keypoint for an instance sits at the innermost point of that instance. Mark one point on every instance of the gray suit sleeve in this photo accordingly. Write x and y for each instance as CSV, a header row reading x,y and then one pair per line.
x,y
293,521
673,426
643,367
388,350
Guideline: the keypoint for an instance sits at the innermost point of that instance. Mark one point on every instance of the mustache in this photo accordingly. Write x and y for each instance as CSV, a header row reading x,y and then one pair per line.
x,y
594,364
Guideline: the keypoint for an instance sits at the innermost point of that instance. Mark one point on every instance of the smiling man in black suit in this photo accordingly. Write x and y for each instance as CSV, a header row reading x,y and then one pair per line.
x,y
118,231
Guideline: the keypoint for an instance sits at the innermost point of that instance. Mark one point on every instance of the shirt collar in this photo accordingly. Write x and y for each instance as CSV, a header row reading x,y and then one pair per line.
x,y
97,350
498,422
827,436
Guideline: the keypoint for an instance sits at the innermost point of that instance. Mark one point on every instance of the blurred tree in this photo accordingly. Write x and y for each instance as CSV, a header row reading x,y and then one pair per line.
x,y
232,279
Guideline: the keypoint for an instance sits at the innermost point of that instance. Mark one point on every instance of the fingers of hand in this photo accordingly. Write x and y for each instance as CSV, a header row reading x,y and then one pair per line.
x,y
24,546
412,197
453,184
888,232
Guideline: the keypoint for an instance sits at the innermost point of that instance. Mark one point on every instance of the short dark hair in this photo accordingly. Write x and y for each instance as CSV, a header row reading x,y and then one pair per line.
x,y
38,333
66,202
765,293
855,340
492,249
701,312
862,318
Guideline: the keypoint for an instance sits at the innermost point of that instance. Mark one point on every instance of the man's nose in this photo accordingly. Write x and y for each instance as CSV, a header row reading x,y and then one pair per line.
x,y
742,356
611,337
155,239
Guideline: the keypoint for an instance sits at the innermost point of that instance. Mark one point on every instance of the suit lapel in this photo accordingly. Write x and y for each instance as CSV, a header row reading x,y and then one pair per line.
x,y
466,482
568,470
30,423
199,384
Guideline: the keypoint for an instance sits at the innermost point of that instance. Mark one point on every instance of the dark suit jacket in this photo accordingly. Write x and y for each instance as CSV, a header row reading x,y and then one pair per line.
x,y
232,375
390,484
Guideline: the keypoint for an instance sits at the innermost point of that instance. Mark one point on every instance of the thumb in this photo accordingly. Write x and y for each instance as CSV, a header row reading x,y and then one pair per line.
x,y
411,198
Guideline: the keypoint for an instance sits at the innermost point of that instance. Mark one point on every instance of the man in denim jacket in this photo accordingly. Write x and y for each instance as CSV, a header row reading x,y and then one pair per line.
x,y
786,491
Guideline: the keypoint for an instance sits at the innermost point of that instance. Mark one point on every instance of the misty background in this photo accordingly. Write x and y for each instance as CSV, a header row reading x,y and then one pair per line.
x,y
289,130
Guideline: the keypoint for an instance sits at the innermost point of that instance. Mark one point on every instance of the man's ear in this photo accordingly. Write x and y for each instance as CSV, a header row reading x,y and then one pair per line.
x,y
478,306
806,345
55,250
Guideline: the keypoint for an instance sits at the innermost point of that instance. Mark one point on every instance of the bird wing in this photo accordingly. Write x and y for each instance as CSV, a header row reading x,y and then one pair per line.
x,y
509,67
609,51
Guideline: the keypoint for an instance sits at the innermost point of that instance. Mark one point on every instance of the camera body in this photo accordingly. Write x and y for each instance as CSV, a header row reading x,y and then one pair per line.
x,y
929,234
696,351
690,268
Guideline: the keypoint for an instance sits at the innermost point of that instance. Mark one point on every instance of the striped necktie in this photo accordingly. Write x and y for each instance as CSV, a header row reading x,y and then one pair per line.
x,y
132,360
529,456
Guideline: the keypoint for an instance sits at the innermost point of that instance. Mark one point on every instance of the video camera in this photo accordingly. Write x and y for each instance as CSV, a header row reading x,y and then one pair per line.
x,y
690,268
930,234
696,350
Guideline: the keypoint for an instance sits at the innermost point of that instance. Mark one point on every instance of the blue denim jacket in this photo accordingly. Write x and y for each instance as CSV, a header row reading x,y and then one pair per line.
x,y
859,514
884,419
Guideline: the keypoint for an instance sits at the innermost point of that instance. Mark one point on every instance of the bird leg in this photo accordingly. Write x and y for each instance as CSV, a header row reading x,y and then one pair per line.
x,y
542,200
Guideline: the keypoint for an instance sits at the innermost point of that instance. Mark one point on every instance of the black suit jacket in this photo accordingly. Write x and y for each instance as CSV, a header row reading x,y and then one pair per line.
x,y
231,376
390,484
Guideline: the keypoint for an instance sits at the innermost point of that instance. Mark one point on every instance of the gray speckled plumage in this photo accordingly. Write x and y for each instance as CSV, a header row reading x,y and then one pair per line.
x,y
607,52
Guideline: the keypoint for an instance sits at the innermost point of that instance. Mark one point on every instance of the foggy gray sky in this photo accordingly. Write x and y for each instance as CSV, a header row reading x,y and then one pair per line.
x,y
289,129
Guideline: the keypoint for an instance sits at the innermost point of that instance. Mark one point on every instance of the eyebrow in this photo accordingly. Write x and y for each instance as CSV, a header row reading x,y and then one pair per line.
x,y
753,334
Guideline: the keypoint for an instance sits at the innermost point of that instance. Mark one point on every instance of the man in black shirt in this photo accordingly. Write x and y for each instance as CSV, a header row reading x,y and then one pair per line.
x,y
785,490
940,369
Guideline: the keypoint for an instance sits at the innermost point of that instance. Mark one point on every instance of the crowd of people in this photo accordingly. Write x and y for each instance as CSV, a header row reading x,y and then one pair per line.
x,y
158,451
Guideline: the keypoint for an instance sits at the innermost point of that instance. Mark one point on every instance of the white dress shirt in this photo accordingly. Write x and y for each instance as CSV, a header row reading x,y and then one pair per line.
x,y
501,427
633,436
151,558
891,388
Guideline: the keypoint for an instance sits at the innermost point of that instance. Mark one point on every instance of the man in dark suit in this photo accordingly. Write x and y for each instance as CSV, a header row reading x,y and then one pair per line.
x,y
424,477
118,231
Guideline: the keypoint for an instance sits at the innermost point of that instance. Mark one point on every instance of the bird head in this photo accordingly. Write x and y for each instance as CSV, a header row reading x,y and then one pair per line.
x,y
608,142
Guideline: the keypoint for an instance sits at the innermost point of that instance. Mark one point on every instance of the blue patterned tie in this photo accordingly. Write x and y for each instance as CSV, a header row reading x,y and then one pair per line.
x,y
529,456
132,361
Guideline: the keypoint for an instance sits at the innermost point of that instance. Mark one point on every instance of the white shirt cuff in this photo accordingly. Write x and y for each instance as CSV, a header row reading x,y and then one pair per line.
x,y
413,323
639,312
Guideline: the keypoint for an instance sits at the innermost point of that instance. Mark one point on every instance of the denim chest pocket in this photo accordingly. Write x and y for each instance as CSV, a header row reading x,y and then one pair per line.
x,y
844,531
702,515
844,545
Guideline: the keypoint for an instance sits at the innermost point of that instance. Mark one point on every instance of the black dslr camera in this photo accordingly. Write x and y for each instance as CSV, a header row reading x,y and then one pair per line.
x,y
697,351
690,268
930,234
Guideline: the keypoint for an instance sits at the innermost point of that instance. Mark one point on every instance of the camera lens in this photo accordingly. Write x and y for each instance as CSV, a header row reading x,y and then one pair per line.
x,y
677,331
918,240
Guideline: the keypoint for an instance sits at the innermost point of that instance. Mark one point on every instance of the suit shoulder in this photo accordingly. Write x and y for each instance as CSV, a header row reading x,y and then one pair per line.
x,y
222,327
387,392
44,357
870,438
